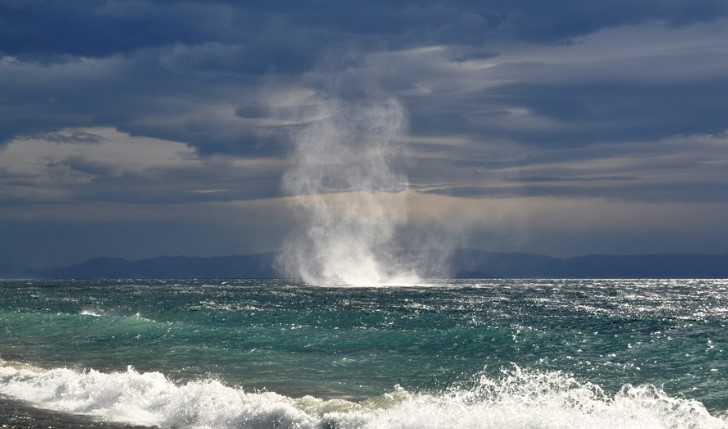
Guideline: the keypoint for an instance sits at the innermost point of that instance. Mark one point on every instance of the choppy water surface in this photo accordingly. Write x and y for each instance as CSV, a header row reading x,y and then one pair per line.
x,y
500,353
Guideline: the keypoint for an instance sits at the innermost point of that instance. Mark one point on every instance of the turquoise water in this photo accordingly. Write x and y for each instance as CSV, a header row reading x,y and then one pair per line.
x,y
496,353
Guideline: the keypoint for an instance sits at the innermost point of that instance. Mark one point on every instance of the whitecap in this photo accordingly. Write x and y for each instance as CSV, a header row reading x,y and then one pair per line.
x,y
517,399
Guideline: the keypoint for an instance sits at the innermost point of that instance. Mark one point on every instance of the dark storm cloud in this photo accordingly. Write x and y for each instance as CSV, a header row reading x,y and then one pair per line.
x,y
563,19
618,111
677,169
571,96
198,72
93,28
139,93
98,29
165,103
168,54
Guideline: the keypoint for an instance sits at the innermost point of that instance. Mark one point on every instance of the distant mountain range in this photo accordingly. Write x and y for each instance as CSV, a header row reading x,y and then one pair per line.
x,y
461,263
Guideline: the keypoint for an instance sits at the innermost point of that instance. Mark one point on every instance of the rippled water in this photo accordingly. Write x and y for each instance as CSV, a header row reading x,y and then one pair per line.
x,y
549,353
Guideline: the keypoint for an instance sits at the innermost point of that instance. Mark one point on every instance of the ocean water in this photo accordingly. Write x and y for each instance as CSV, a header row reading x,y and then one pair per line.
x,y
452,354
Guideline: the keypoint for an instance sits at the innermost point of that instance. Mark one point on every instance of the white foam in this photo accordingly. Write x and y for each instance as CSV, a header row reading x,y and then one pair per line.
x,y
518,399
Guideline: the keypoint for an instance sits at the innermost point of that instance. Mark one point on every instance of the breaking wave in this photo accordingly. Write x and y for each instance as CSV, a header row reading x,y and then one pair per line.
x,y
517,399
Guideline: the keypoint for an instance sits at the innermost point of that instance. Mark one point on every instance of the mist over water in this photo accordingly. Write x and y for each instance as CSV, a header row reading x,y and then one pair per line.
x,y
347,185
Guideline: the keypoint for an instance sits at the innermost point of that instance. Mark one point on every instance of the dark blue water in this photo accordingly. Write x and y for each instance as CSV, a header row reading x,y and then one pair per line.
x,y
501,353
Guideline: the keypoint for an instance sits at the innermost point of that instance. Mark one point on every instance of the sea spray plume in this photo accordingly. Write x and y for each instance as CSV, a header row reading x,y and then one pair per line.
x,y
345,182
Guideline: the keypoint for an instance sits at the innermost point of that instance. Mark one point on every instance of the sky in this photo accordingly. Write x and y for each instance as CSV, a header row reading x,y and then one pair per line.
x,y
135,129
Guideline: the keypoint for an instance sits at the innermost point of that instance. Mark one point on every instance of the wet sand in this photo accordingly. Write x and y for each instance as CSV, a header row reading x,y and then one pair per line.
x,y
19,415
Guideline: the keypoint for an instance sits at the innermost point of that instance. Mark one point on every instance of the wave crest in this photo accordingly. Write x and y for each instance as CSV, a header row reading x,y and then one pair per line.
x,y
517,399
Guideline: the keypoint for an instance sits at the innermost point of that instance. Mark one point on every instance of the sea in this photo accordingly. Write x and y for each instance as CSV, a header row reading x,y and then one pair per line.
x,y
444,354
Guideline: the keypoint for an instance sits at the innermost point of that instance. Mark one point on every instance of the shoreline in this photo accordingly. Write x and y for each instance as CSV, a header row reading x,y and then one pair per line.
x,y
18,414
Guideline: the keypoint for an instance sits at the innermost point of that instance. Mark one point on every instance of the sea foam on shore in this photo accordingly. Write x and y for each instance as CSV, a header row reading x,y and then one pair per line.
x,y
517,399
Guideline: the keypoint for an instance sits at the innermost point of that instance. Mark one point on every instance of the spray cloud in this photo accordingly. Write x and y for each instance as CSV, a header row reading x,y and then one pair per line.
x,y
345,182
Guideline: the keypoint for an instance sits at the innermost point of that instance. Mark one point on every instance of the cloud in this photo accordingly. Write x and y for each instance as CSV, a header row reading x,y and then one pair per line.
x,y
285,29
675,169
167,103
98,29
620,84
141,94
103,164
619,78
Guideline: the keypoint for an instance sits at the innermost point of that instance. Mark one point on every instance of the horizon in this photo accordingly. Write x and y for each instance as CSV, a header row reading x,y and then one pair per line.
x,y
277,252
455,264
172,256
338,134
